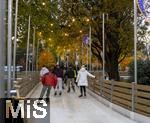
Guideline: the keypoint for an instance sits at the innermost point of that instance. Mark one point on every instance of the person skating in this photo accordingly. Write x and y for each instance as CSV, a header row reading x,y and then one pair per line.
x,y
48,80
82,80
70,80
59,73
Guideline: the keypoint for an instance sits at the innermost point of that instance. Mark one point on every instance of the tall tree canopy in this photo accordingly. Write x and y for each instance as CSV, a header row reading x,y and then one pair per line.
x,y
118,28
61,23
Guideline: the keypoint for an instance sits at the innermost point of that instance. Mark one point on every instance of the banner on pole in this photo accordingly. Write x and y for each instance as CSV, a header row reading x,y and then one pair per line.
x,y
86,39
144,6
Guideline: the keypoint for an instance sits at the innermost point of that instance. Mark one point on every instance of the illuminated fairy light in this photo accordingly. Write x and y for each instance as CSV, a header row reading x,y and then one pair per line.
x,y
43,4
66,34
51,24
13,38
73,20
80,31
87,19
40,33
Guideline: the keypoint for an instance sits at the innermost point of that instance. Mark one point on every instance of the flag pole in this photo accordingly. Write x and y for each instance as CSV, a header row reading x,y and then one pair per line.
x,y
103,34
2,48
9,47
135,60
28,41
90,41
15,40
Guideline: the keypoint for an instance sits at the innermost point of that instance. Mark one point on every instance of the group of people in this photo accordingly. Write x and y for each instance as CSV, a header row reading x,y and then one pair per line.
x,y
57,77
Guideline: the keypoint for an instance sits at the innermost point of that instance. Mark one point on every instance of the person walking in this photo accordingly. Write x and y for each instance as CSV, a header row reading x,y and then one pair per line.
x,y
59,73
48,80
82,80
70,80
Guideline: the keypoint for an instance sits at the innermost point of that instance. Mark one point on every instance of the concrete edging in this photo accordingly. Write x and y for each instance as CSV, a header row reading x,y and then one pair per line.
x,y
132,115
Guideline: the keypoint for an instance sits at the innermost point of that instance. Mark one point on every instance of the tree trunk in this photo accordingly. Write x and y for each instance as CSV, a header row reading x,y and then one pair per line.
x,y
112,69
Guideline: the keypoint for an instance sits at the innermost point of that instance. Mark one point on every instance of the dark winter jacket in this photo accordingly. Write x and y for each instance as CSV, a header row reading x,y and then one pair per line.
x,y
70,73
58,72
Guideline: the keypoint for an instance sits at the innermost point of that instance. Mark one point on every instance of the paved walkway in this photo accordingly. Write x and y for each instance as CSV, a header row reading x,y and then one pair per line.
x,y
69,108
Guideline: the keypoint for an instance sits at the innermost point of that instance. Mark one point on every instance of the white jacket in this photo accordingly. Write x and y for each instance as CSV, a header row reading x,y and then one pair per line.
x,y
82,77
43,71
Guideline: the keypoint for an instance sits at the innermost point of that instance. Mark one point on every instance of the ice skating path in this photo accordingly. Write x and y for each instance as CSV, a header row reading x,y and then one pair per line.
x,y
69,108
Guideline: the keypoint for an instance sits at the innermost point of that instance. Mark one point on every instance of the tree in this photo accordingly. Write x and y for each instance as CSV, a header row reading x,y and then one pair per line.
x,y
126,62
46,58
62,21
118,28
41,20
143,35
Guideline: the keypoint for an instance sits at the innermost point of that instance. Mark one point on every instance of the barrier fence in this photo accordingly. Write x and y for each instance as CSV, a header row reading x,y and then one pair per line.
x,y
131,96
27,82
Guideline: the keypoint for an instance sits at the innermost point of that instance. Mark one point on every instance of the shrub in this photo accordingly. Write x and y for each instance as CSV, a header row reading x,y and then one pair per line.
x,y
143,72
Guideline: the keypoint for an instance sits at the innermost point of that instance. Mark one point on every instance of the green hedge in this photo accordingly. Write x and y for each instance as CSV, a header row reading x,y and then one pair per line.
x,y
143,72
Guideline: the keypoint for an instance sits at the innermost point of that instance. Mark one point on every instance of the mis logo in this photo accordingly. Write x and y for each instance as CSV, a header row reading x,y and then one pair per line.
x,y
30,108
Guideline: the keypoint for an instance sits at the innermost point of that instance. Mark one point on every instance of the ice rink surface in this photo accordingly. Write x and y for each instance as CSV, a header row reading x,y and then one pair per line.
x,y
69,108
